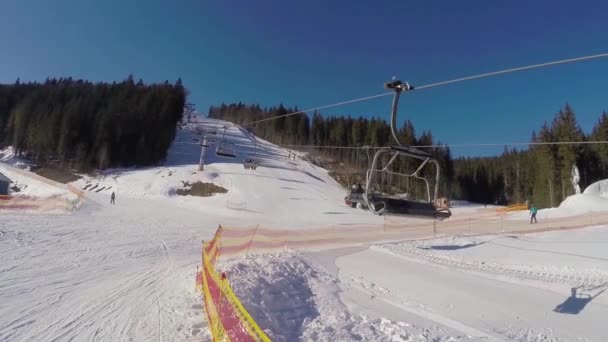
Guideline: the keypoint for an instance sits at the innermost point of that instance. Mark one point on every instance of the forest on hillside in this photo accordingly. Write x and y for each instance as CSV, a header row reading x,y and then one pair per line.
x,y
85,125
540,173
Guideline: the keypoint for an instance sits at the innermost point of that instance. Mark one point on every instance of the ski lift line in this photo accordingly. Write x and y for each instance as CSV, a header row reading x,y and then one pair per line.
x,y
431,85
506,71
321,107
456,145
599,142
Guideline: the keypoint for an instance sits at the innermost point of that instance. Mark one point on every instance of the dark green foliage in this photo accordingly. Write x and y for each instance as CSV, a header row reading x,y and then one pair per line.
x,y
87,125
541,174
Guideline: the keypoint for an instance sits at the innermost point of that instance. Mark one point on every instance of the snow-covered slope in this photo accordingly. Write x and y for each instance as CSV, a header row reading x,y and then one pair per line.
x,y
281,192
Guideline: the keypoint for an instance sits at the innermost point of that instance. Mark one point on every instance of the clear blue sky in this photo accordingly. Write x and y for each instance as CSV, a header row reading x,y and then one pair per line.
x,y
310,53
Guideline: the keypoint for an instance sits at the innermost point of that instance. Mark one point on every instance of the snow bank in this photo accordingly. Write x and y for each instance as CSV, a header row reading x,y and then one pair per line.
x,y
584,203
599,188
294,301
592,199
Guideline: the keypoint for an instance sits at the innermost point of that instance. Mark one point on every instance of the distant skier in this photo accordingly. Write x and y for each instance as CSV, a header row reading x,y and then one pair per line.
x,y
113,198
533,212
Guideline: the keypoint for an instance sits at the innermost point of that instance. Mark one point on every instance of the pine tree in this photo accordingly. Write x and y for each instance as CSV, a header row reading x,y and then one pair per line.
x,y
600,133
566,129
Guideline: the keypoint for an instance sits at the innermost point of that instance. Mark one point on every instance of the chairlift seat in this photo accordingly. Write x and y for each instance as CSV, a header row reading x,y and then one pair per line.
x,y
226,150
411,151
390,205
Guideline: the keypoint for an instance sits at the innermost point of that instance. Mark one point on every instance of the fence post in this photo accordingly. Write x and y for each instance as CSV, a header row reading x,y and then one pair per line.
x,y
502,228
203,253
251,241
435,227
219,301
384,224
196,280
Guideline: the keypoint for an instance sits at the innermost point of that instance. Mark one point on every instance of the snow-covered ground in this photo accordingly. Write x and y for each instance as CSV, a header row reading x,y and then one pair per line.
x,y
126,272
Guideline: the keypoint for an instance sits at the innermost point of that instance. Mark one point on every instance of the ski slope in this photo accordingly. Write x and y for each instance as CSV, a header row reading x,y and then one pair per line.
x,y
126,272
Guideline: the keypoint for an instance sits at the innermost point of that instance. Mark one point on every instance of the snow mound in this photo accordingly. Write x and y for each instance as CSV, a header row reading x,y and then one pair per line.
x,y
294,301
585,202
599,188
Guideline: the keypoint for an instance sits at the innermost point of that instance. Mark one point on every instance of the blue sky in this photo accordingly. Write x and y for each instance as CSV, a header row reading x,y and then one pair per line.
x,y
311,53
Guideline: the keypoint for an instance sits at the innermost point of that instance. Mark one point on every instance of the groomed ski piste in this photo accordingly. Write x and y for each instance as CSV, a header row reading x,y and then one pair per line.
x,y
126,272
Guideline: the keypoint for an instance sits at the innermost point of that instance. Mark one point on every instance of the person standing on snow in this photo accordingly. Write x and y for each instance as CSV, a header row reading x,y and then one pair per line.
x,y
113,198
533,212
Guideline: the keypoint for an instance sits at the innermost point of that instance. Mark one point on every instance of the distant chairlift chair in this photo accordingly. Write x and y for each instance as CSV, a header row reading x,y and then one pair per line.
x,y
224,148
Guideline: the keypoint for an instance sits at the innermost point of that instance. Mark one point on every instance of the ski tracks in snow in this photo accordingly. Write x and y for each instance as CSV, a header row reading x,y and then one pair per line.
x,y
556,275
99,277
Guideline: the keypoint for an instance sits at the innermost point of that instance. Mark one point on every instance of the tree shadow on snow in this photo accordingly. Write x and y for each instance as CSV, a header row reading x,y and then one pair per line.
x,y
579,298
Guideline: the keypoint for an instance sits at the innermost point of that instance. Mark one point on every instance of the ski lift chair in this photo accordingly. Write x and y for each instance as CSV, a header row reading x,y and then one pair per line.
x,y
226,150
384,204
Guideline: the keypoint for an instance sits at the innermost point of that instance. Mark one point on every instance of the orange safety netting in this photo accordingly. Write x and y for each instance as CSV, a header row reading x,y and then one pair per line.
x,y
235,241
49,204
228,319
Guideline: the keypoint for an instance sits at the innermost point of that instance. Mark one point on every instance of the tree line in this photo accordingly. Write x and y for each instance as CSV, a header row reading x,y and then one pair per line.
x,y
85,125
539,174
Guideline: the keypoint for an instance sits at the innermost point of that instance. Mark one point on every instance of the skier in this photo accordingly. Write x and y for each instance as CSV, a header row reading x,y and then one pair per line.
x,y
533,212
113,198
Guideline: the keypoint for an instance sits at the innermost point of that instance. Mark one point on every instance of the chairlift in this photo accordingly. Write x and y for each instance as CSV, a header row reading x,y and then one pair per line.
x,y
224,148
385,204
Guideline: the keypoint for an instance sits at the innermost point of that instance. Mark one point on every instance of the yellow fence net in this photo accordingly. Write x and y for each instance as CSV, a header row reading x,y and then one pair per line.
x,y
228,319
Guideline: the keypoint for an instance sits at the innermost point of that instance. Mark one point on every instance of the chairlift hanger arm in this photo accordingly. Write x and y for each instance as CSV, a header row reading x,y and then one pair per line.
x,y
398,87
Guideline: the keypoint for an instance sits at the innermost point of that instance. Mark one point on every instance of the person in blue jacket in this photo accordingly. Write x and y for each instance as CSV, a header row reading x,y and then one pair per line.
x,y
533,212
